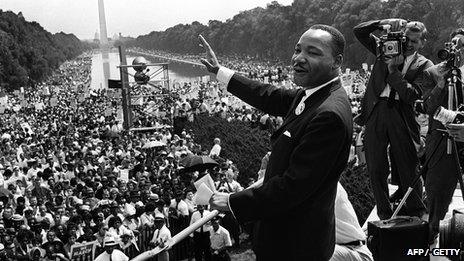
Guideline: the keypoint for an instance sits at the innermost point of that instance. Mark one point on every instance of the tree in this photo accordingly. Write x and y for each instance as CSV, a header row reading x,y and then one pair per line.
x,y
28,53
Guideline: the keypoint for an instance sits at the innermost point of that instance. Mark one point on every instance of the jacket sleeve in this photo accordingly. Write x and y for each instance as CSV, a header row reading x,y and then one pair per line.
x,y
408,92
309,171
363,33
268,98
432,93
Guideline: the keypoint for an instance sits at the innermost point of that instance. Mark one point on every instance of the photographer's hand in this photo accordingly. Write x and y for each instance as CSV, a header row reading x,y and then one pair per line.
x,y
394,62
395,23
211,62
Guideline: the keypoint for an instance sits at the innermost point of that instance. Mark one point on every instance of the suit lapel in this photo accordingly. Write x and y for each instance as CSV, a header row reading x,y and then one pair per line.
x,y
310,104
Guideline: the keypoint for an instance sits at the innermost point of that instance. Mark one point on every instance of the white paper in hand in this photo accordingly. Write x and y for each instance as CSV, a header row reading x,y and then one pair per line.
x,y
203,195
207,180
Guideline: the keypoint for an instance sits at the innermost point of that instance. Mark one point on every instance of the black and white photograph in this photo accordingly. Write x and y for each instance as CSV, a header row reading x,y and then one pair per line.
x,y
245,130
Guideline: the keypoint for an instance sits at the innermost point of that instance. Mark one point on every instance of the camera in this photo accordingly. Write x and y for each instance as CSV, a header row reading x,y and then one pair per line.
x,y
452,233
451,54
445,116
392,44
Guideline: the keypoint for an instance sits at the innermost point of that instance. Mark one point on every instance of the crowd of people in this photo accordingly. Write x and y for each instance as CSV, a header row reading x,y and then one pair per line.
x,y
71,174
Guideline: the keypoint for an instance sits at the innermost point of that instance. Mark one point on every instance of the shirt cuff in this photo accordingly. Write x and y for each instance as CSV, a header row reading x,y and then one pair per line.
x,y
230,207
224,74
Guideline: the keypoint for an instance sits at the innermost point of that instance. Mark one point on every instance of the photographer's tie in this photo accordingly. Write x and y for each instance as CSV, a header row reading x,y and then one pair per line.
x,y
201,216
391,97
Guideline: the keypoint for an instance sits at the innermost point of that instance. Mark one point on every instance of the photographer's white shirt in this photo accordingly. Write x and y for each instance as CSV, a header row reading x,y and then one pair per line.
x,y
407,64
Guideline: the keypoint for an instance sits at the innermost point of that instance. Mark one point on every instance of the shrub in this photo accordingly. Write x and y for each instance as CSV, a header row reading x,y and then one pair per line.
x,y
356,182
246,146
240,143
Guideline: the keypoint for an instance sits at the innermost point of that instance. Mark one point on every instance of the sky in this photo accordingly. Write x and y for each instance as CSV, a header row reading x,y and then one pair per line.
x,y
129,17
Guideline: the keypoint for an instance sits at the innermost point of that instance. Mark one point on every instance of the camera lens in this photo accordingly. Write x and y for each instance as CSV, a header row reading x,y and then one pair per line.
x,y
390,47
443,54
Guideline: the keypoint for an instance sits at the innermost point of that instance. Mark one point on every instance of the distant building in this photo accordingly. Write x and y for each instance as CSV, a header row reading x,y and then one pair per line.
x,y
96,39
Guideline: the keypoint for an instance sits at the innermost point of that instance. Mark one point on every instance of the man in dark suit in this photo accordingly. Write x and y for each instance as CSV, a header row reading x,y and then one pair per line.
x,y
294,208
442,168
388,114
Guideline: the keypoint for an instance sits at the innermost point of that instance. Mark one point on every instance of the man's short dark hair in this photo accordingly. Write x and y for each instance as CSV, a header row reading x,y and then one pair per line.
x,y
338,40
457,31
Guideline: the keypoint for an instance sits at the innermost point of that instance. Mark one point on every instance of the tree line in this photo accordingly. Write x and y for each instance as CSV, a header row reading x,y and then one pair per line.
x,y
270,33
28,53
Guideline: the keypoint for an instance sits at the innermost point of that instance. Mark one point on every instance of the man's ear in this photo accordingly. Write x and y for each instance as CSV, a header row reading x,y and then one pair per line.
x,y
338,61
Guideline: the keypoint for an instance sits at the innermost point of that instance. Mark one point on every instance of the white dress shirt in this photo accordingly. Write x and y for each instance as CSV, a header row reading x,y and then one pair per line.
x,y
347,228
117,255
220,238
310,92
224,75
161,235
181,207
215,151
407,63
197,216
147,219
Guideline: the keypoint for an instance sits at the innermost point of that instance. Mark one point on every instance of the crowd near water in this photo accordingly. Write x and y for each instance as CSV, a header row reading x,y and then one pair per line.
x,y
71,174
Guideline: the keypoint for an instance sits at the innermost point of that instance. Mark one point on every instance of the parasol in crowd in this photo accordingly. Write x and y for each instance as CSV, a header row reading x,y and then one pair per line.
x,y
4,193
112,134
197,163
153,144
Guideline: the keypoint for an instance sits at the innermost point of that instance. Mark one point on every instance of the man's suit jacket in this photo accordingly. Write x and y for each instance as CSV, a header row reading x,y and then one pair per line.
x,y
407,87
434,97
295,205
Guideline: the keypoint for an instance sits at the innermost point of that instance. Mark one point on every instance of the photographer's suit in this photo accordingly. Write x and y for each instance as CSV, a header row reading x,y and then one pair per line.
x,y
391,121
441,168
294,208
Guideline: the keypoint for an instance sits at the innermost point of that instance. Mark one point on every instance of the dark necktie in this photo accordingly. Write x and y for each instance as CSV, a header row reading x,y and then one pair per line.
x,y
391,97
201,216
111,259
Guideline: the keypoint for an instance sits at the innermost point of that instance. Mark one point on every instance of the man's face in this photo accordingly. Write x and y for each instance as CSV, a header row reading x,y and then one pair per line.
x,y
7,213
159,223
215,224
51,236
312,60
109,249
125,239
60,212
414,43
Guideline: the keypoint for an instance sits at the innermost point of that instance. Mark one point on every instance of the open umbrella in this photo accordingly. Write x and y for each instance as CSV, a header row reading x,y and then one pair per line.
x,y
112,134
4,193
153,144
197,163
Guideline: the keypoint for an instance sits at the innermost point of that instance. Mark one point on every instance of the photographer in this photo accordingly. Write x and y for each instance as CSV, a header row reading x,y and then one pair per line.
x,y
387,108
442,168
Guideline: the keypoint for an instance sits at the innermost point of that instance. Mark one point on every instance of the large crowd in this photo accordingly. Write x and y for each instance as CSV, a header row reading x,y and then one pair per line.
x,y
72,174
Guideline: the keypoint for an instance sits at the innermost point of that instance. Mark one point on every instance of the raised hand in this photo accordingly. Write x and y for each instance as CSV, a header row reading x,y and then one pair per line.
x,y
211,63
220,201
394,62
